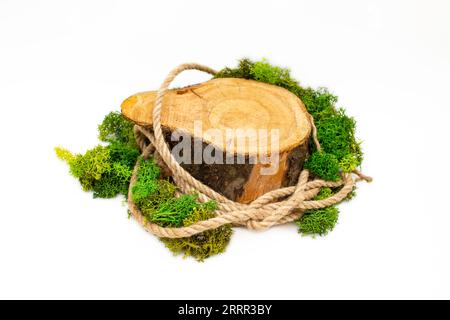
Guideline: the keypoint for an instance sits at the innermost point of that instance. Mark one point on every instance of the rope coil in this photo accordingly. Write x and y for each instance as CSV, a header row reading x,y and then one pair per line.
x,y
264,212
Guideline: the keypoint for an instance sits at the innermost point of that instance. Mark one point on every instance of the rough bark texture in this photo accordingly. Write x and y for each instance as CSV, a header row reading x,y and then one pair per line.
x,y
233,104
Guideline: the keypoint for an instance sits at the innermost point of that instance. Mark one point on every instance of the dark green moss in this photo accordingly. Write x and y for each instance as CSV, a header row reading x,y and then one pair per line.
x,y
324,165
319,221
123,154
173,212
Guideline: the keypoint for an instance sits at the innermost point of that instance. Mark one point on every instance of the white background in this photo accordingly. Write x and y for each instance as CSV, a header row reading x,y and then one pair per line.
x,y
65,64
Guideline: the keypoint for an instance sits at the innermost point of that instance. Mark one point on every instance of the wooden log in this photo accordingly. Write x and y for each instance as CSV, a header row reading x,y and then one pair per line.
x,y
264,126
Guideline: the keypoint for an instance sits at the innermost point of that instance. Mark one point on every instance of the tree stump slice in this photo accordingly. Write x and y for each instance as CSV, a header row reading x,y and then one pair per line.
x,y
225,105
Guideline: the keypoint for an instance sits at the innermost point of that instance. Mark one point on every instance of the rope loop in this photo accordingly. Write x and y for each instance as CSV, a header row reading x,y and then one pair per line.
x,y
276,207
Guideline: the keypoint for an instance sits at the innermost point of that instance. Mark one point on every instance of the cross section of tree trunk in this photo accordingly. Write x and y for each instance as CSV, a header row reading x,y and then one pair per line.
x,y
243,137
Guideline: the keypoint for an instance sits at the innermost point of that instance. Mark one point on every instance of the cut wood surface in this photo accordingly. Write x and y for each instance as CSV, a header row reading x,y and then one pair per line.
x,y
227,103
235,104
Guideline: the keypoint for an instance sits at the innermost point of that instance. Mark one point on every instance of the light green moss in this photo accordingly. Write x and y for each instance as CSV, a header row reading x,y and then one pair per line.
x,y
203,245
106,170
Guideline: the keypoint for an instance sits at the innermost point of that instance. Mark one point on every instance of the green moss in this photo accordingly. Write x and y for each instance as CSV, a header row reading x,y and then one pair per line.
x,y
203,245
100,170
335,130
106,170
113,182
324,165
324,193
319,221
90,167
64,154
348,163
173,212
242,71
146,182
149,205
264,72
116,128
156,200
123,153
336,134
319,102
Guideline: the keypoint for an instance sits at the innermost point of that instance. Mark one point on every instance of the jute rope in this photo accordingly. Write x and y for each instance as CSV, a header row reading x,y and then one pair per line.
x,y
273,208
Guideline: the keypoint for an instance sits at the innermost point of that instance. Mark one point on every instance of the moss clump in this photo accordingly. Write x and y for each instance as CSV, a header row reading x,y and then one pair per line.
x,y
123,154
88,168
202,245
113,182
149,205
335,130
146,182
319,221
157,202
348,163
115,127
106,170
324,193
264,72
324,165
244,70
175,211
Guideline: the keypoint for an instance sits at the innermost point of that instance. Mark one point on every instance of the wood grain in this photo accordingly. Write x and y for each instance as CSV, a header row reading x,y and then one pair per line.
x,y
227,103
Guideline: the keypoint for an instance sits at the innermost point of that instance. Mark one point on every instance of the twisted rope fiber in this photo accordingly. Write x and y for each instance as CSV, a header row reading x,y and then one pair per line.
x,y
263,213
